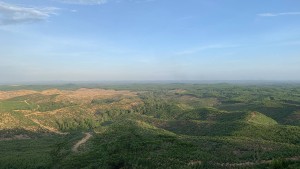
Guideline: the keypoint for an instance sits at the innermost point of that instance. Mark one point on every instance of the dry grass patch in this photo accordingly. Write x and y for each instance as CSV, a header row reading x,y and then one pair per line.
x,y
11,94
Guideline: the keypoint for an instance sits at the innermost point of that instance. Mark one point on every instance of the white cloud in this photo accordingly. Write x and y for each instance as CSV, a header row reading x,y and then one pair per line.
x,y
15,14
278,14
84,2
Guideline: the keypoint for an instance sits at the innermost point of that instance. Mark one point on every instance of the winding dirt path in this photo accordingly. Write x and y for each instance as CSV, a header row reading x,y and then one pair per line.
x,y
26,102
82,141
35,113
38,107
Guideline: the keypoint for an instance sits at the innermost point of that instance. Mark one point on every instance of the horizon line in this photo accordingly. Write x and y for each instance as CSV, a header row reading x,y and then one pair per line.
x,y
61,82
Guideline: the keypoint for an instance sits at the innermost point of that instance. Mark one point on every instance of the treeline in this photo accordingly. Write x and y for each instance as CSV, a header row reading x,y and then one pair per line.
x,y
106,101
50,106
76,124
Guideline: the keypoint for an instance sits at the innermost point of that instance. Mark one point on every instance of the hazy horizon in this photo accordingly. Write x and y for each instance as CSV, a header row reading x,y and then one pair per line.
x,y
130,82
149,40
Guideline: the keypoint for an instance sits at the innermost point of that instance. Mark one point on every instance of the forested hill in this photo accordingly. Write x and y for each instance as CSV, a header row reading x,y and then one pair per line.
x,y
150,126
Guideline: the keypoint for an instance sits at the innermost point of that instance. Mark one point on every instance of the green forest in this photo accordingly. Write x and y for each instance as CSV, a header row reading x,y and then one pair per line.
x,y
176,125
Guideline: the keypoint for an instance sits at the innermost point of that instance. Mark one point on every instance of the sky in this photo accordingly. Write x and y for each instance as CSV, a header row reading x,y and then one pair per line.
x,y
140,40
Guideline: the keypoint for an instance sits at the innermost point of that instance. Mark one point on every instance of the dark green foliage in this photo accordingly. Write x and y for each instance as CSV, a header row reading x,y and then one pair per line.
x,y
106,101
76,124
31,153
49,106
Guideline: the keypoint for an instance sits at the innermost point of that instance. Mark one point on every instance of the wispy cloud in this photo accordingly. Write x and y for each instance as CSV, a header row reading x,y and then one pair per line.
x,y
203,48
99,2
84,2
278,14
16,14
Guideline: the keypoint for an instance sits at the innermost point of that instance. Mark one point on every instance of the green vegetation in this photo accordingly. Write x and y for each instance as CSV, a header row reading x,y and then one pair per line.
x,y
258,118
158,126
9,106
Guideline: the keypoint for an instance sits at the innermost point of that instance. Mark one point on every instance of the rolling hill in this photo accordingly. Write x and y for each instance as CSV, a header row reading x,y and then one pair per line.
x,y
150,126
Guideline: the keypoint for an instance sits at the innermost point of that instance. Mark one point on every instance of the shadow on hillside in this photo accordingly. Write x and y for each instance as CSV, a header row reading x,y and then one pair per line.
x,y
280,114
202,128
20,134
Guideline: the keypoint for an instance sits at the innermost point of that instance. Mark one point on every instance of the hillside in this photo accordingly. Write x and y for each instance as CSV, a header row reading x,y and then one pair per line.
x,y
150,126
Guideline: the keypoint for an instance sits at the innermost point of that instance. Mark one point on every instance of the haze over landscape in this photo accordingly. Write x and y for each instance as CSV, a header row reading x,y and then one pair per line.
x,y
92,40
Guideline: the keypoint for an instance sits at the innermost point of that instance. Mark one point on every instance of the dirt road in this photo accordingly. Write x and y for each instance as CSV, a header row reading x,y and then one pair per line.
x,y
82,141
26,102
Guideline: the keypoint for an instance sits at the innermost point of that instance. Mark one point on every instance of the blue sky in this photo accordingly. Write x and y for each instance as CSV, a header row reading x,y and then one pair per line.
x,y
95,40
